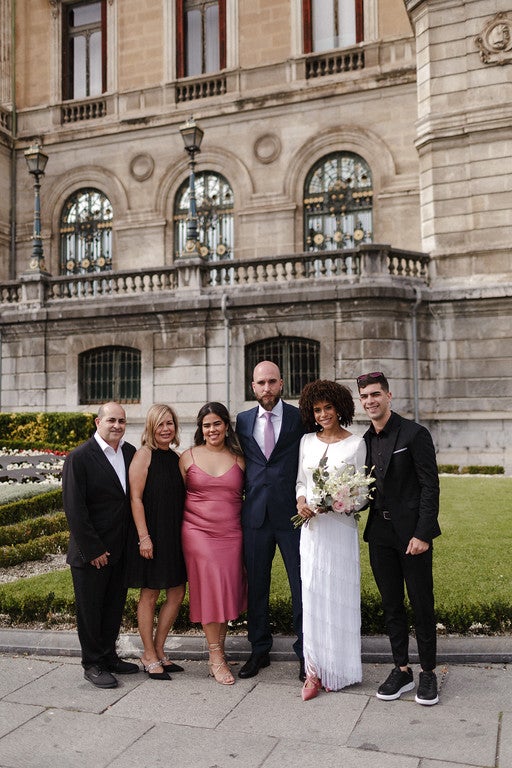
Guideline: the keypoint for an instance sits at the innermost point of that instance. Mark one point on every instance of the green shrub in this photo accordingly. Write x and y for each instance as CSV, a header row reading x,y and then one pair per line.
x,y
45,430
15,511
35,549
34,528
472,469
448,469
481,469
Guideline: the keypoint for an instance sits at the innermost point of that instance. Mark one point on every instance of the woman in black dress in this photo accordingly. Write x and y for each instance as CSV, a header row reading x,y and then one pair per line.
x,y
155,557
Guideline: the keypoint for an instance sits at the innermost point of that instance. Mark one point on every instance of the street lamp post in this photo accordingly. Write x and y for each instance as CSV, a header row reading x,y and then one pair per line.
x,y
36,162
192,136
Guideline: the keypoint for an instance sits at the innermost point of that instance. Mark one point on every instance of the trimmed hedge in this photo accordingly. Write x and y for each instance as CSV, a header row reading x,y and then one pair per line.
x,y
35,549
52,610
57,431
23,509
33,529
472,469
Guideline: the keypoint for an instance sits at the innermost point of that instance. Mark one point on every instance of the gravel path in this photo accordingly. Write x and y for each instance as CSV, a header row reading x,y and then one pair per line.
x,y
33,568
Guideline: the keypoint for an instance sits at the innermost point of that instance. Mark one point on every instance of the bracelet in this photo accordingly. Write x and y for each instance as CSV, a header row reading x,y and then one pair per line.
x,y
144,538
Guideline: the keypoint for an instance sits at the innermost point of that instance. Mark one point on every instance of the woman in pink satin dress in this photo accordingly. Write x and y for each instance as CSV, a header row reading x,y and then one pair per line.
x,y
213,471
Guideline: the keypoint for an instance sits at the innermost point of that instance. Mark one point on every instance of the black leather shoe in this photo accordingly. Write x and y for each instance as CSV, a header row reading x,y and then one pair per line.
x,y
254,663
100,677
121,667
302,671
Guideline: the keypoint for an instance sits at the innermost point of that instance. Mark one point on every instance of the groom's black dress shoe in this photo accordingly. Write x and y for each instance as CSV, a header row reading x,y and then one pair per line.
x,y
254,663
302,671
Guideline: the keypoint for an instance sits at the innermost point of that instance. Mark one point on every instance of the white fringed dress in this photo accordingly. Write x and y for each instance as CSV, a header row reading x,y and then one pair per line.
x,y
330,571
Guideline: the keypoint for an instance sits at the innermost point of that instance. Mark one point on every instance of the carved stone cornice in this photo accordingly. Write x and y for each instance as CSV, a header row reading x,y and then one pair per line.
x,y
495,40
55,5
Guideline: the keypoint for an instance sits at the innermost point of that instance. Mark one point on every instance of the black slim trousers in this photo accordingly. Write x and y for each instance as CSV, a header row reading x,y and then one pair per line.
x,y
100,596
392,568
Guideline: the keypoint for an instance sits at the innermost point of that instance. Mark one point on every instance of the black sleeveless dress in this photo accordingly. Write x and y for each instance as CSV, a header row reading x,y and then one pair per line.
x,y
163,499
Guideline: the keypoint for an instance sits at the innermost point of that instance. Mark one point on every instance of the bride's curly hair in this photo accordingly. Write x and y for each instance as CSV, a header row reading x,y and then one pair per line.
x,y
330,391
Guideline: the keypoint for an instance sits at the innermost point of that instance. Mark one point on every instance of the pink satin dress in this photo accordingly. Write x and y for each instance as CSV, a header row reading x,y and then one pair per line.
x,y
212,545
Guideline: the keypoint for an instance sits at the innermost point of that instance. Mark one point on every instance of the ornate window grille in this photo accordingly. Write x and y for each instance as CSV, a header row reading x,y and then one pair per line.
x,y
109,373
86,233
84,71
214,202
201,36
338,197
298,360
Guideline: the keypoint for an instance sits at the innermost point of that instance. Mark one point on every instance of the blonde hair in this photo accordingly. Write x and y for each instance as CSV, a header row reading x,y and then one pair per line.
x,y
155,416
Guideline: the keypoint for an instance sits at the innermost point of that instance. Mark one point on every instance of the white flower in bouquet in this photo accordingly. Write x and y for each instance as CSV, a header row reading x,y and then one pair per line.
x,y
344,490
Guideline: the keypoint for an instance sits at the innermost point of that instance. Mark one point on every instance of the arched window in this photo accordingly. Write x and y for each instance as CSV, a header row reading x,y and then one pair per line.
x,y
214,201
298,360
109,373
86,233
338,198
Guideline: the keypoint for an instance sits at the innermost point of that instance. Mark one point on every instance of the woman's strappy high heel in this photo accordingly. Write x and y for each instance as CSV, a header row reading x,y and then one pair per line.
x,y
219,669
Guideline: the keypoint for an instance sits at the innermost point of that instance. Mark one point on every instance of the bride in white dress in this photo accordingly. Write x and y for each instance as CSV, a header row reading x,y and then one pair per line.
x,y
329,545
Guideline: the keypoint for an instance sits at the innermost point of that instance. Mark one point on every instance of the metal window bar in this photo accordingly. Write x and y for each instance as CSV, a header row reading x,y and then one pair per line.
x,y
297,358
110,373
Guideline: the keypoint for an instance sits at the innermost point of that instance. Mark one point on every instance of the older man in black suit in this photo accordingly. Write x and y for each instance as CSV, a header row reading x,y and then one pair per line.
x,y
402,523
97,506
269,435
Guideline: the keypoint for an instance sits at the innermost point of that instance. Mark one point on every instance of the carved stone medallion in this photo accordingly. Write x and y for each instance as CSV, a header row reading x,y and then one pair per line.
x,y
495,42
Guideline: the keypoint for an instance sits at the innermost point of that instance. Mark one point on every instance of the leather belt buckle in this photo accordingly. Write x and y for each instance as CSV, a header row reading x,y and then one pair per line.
x,y
386,515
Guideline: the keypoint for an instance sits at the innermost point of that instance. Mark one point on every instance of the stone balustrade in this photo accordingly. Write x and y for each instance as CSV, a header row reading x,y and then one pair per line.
x,y
359,265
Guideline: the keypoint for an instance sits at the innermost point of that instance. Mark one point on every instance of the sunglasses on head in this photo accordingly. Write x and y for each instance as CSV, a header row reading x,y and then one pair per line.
x,y
366,378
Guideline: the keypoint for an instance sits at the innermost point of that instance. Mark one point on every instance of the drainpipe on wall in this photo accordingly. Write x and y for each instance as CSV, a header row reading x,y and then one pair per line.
x,y
223,308
14,129
415,376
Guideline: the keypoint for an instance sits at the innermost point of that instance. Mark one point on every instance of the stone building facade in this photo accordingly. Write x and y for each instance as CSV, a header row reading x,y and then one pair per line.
x,y
359,157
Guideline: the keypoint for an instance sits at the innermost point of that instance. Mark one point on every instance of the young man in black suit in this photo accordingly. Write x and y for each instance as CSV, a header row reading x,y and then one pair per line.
x,y
269,435
97,506
401,525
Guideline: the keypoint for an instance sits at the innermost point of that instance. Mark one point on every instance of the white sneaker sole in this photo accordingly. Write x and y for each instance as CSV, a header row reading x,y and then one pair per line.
x,y
393,696
426,702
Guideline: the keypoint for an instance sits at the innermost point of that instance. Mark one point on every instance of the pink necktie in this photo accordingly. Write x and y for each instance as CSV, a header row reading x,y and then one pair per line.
x,y
269,438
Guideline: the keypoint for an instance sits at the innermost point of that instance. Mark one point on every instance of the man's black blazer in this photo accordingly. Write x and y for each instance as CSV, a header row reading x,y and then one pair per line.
x,y
96,506
411,481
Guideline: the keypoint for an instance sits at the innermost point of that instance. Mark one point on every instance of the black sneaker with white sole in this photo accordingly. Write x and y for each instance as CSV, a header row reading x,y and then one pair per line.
x,y
427,689
396,683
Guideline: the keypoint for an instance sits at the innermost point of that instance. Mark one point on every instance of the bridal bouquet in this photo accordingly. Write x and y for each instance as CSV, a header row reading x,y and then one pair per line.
x,y
344,490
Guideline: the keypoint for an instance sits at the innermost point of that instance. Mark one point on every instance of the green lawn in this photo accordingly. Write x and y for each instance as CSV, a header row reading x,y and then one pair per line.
x,y
472,565
472,557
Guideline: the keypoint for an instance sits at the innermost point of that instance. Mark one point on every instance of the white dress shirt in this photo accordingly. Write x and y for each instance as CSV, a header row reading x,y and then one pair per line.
x,y
116,458
259,424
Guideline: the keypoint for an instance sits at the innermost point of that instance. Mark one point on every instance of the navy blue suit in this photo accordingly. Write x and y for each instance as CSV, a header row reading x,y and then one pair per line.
x,y
98,511
269,503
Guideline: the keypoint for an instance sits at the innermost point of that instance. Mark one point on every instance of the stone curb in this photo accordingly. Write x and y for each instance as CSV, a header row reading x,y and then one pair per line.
x,y
451,649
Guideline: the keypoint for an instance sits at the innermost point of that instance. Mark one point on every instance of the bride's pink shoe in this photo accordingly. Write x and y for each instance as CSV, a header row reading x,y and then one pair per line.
x,y
310,688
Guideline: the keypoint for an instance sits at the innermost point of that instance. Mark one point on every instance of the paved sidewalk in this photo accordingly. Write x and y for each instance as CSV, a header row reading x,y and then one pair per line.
x,y
50,717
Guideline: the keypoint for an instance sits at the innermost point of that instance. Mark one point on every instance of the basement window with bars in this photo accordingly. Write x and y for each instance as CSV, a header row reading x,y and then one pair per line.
x,y
298,360
109,373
